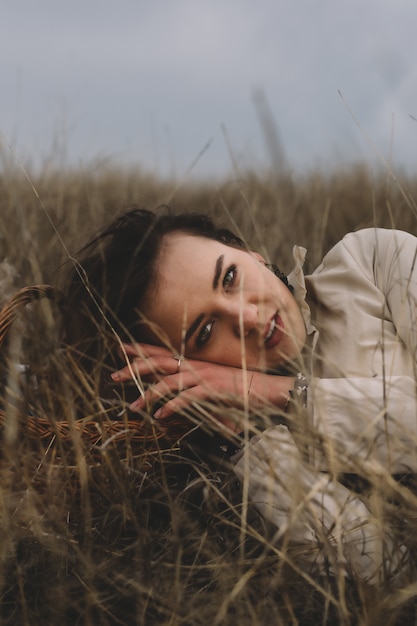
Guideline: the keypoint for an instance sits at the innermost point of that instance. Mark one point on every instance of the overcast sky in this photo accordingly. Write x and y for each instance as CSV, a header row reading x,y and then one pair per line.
x,y
154,82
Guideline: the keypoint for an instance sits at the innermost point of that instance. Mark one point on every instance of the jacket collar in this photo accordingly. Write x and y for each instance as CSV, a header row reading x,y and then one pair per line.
x,y
296,279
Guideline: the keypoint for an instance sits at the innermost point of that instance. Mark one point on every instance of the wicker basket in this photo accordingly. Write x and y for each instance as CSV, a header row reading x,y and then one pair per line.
x,y
125,435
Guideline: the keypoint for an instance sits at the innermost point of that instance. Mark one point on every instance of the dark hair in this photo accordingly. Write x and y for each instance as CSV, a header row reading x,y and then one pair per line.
x,y
112,273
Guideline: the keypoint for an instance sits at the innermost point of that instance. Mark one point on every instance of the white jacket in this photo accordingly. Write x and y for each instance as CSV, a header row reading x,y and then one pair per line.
x,y
360,310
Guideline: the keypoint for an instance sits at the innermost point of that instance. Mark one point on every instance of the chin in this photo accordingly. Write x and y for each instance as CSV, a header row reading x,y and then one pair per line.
x,y
284,363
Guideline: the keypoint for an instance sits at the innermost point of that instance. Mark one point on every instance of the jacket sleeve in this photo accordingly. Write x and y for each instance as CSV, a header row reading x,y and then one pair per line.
x,y
367,424
329,529
373,418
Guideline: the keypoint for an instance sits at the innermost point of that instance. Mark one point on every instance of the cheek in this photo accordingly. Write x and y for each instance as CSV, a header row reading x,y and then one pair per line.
x,y
165,324
216,352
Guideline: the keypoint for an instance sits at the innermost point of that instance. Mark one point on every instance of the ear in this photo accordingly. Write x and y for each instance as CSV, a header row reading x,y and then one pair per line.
x,y
258,257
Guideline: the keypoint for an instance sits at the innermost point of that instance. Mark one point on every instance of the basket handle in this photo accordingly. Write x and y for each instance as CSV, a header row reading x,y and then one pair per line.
x,y
25,296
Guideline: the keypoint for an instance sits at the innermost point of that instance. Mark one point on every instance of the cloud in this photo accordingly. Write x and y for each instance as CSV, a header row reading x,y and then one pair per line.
x,y
153,82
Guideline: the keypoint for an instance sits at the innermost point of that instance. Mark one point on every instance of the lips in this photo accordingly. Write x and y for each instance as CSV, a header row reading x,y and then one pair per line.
x,y
274,332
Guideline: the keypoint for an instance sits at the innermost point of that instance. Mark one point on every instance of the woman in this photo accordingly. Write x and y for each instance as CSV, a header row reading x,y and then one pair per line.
x,y
201,317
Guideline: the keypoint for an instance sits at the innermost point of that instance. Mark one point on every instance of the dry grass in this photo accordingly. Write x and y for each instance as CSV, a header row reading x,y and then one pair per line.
x,y
93,536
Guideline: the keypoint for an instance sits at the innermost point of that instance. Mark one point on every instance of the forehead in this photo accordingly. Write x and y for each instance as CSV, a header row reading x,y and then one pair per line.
x,y
184,277
180,244
189,254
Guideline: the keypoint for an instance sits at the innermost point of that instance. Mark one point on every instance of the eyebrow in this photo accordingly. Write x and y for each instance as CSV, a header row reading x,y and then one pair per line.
x,y
216,279
218,271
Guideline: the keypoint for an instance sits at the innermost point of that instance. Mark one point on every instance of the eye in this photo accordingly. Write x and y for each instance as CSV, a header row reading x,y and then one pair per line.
x,y
204,334
230,277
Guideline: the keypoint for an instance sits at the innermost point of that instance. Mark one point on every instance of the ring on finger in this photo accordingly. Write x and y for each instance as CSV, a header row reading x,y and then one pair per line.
x,y
178,358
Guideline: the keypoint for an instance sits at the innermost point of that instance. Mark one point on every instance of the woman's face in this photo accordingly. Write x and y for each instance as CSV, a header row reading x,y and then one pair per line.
x,y
221,304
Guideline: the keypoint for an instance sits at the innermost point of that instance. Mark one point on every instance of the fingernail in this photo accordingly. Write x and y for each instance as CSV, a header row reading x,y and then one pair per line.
x,y
158,414
115,375
134,406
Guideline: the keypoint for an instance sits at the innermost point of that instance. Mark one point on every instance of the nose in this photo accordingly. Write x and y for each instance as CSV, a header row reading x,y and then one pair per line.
x,y
244,318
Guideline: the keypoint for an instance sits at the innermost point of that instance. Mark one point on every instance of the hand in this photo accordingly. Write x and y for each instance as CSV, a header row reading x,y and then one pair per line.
x,y
198,381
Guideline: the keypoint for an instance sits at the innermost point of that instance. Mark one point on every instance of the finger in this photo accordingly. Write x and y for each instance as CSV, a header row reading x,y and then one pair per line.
x,y
148,351
149,399
183,401
187,400
135,369
169,385
145,350
151,366
190,393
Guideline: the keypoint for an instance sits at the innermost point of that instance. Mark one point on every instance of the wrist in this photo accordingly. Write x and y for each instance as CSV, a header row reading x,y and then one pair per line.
x,y
298,393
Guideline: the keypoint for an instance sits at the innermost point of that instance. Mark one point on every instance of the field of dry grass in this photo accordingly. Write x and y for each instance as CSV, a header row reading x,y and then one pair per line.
x,y
90,535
